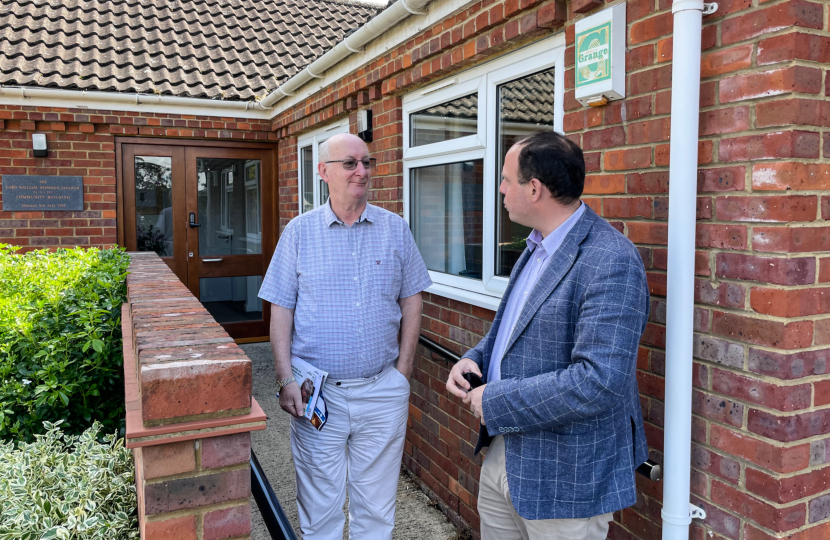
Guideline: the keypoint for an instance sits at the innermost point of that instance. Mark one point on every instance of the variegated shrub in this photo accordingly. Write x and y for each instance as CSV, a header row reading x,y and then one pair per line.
x,y
67,487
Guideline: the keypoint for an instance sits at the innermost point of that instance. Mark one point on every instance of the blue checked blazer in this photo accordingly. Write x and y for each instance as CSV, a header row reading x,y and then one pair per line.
x,y
567,403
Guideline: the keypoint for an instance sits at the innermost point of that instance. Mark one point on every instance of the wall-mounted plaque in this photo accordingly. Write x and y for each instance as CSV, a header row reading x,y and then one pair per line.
x,y
600,56
47,193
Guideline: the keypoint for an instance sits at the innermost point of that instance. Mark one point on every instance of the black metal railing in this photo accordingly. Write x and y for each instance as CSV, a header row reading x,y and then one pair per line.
x,y
269,506
650,469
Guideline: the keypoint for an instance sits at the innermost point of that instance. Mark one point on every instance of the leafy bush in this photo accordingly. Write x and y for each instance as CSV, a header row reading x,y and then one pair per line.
x,y
65,486
60,339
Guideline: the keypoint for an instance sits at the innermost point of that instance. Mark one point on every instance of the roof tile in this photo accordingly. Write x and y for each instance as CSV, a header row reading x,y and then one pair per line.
x,y
216,49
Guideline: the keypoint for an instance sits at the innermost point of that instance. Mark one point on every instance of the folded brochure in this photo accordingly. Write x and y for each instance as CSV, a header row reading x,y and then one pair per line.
x,y
311,382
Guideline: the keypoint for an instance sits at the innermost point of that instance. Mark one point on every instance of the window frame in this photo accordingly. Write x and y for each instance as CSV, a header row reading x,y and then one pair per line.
x,y
485,79
313,139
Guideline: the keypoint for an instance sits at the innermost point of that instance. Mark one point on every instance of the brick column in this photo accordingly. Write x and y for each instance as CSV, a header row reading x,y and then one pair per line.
x,y
189,411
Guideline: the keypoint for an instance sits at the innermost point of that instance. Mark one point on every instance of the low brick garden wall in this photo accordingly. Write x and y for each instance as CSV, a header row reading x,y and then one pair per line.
x,y
189,411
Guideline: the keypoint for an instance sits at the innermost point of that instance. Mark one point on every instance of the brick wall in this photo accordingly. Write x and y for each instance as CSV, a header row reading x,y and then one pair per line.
x,y
760,429
191,443
81,142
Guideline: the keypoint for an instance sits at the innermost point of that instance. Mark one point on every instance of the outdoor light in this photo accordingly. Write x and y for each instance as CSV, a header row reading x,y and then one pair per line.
x,y
39,144
364,125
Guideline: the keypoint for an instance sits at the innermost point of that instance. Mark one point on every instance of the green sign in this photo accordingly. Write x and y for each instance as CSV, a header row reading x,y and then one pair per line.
x,y
593,55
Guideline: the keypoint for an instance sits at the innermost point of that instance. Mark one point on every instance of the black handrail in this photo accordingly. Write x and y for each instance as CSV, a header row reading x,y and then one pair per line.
x,y
269,506
650,469
439,349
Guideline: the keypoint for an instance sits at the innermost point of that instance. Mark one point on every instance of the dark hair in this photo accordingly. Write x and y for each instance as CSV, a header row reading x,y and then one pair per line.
x,y
555,161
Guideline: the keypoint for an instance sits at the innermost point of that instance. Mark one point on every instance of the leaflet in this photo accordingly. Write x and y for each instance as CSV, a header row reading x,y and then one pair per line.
x,y
311,382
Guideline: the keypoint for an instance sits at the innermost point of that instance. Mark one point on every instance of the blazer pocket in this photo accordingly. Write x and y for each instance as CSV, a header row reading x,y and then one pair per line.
x,y
605,421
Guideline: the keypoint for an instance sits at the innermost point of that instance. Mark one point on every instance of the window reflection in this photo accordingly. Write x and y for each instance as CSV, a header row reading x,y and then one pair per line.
x,y
307,171
229,196
154,204
525,106
450,120
232,299
447,216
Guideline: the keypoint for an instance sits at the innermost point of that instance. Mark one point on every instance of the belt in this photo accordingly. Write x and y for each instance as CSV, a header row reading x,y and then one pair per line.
x,y
359,381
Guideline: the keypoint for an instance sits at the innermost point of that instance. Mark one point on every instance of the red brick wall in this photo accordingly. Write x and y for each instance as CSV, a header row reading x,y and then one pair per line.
x,y
760,429
81,142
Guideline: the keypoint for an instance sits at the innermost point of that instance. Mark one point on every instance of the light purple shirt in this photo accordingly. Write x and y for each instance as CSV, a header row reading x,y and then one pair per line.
x,y
343,284
541,250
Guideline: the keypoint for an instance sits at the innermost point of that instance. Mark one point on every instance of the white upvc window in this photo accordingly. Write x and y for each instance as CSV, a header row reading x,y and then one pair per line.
x,y
313,190
455,135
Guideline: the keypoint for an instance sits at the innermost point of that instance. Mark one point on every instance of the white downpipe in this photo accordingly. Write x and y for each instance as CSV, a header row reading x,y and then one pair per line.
x,y
354,43
685,112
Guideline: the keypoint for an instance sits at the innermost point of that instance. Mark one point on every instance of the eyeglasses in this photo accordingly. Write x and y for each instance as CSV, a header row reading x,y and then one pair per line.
x,y
350,164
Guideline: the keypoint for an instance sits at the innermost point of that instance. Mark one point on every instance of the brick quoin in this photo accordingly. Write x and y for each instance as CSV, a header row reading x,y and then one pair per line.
x,y
762,328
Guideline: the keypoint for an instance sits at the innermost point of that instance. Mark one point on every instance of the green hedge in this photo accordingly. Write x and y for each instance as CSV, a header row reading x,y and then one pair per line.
x,y
64,486
60,340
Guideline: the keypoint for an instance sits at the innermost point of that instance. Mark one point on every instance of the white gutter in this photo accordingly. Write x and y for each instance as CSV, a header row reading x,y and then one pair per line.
x,y
677,511
54,97
382,23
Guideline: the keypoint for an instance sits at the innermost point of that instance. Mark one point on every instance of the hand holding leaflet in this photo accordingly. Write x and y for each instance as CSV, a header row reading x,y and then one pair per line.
x,y
311,382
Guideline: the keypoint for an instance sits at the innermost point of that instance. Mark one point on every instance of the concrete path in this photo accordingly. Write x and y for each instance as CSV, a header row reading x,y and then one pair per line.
x,y
415,518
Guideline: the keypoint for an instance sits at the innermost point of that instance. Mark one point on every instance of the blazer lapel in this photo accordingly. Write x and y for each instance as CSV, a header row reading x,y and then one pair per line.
x,y
559,265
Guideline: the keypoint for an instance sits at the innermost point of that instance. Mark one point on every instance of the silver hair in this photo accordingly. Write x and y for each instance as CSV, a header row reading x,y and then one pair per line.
x,y
323,151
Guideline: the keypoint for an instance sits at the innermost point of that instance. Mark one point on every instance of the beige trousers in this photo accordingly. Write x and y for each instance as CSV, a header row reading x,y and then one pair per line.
x,y
500,521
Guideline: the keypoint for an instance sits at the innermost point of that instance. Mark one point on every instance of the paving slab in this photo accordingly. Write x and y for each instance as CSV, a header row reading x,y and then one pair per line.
x,y
415,518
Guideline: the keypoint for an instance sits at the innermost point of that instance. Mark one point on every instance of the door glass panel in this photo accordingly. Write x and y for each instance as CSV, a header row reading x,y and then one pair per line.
x,y
231,299
525,106
154,204
450,120
229,206
447,216
307,158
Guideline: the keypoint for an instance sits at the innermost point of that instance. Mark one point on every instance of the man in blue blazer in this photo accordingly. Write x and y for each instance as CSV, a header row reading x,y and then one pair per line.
x,y
560,409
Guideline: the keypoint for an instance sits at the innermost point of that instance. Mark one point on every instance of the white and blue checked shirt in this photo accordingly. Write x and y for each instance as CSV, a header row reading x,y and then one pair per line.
x,y
525,282
343,284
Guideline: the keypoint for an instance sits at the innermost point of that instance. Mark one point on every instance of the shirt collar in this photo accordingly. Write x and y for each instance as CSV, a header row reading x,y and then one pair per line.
x,y
331,218
551,242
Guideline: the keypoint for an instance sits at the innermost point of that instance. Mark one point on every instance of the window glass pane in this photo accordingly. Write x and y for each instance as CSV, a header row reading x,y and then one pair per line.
x,y
307,170
324,192
154,204
450,120
446,216
229,206
231,299
525,106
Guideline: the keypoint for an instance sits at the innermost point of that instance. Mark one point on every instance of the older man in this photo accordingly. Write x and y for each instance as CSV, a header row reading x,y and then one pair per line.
x,y
560,408
345,284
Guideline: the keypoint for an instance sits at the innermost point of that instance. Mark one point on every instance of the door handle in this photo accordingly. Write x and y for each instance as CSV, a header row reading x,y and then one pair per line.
x,y
211,260
192,221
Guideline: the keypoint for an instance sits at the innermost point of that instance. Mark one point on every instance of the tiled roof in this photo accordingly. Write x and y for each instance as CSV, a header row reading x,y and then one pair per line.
x,y
217,49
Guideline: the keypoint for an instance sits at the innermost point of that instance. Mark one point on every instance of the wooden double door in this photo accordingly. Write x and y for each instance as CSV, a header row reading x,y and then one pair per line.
x,y
209,210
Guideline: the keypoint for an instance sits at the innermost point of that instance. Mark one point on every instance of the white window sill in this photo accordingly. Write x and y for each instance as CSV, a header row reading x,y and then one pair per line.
x,y
454,293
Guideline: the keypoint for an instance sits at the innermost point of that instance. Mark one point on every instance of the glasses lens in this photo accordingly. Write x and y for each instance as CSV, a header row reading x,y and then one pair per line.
x,y
368,163
349,164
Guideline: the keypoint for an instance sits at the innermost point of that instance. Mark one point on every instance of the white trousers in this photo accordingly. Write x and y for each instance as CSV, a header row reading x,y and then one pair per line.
x,y
367,417
500,521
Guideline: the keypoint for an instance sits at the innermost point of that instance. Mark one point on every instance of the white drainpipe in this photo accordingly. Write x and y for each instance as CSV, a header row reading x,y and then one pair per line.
x,y
677,511
354,43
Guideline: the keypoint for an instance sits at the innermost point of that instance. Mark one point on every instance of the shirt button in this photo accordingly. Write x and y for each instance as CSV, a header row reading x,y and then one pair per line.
x,y
538,260
358,304
355,278
353,253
